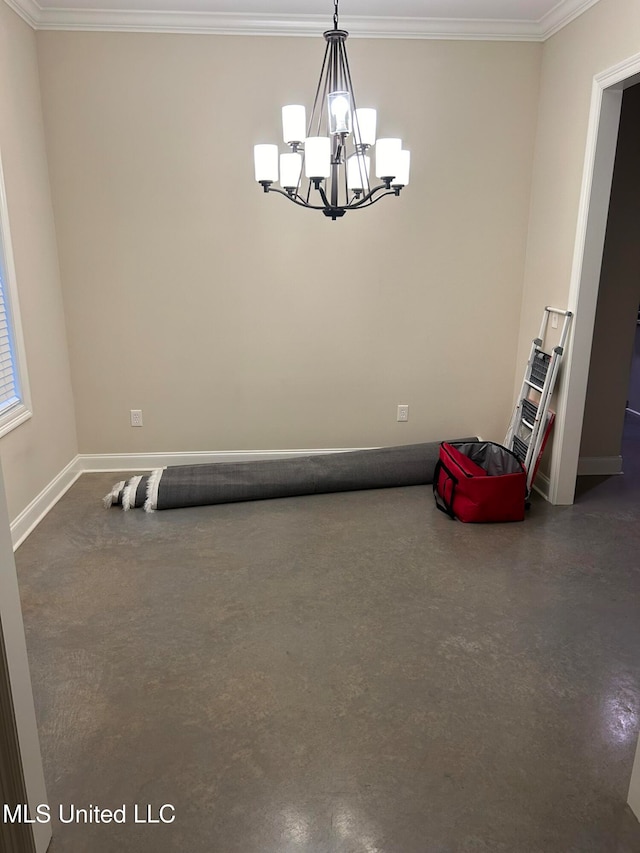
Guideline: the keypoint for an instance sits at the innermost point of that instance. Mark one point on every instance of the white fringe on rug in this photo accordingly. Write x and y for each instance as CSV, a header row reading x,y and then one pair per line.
x,y
114,494
129,494
153,484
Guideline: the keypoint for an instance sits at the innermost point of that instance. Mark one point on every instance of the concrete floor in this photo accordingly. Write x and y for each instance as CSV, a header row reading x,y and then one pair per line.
x,y
349,673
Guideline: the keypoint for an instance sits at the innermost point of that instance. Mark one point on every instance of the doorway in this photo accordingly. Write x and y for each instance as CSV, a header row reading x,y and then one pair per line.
x,y
602,138
615,325
633,392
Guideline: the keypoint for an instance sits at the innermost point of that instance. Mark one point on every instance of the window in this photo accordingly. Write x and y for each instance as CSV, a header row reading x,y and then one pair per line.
x,y
15,403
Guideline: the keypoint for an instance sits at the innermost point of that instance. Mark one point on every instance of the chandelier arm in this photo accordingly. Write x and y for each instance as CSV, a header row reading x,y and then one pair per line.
x,y
369,198
325,94
299,184
344,66
347,68
346,178
334,68
323,196
297,200
334,176
366,201
322,91
382,195
355,113
365,198
315,100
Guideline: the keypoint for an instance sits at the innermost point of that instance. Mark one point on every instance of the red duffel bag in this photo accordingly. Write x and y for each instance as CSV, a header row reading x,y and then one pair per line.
x,y
480,481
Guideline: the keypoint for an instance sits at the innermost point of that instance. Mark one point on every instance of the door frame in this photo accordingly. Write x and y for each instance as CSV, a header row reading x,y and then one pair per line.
x,y
14,838
602,137
21,771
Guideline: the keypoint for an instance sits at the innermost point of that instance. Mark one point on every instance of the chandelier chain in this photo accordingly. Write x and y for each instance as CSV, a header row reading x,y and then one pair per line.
x,y
335,15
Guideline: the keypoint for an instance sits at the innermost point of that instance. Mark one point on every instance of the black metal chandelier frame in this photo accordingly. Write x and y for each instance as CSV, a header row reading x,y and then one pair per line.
x,y
335,76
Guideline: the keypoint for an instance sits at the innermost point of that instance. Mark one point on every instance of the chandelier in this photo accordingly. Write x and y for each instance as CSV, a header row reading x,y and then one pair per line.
x,y
334,149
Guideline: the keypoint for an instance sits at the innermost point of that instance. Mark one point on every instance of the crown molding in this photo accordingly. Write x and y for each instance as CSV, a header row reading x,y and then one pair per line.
x,y
562,14
29,11
222,23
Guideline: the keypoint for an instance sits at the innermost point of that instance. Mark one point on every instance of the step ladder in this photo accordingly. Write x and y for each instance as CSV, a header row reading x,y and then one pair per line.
x,y
531,420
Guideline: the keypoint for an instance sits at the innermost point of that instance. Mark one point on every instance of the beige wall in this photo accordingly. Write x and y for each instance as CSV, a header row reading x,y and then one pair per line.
x,y
36,451
604,35
237,321
618,296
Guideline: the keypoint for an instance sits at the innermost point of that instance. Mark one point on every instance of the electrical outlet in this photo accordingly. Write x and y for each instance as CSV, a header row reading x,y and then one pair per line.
x,y
136,417
403,413
554,320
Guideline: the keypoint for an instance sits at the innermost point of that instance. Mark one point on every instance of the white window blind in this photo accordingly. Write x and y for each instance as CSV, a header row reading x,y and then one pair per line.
x,y
9,386
15,400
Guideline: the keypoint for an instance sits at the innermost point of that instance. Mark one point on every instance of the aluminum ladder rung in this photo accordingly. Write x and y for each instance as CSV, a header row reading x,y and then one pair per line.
x,y
545,365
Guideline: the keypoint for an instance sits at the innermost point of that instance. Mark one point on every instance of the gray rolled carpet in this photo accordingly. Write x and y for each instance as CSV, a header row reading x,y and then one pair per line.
x,y
226,482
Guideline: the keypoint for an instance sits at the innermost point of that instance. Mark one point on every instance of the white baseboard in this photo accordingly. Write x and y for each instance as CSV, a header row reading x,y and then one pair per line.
x,y
99,462
33,514
599,465
86,463
542,485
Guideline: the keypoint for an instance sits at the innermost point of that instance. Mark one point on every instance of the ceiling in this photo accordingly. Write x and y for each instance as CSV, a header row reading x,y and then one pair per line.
x,y
526,20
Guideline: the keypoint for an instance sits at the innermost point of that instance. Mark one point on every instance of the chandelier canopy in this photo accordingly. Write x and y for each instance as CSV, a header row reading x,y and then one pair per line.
x,y
334,149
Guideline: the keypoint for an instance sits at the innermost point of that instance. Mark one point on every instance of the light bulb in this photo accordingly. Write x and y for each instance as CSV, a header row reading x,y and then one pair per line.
x,y
339,112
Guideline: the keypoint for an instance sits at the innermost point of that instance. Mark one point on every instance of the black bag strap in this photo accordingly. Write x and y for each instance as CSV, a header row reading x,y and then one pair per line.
x,y
441,503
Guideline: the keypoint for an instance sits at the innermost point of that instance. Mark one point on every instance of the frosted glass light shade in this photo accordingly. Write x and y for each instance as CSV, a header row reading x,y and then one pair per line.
x,y
387,152
290,169
364,126
339,112
358,169
317,156
403,161
265,159
294,123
